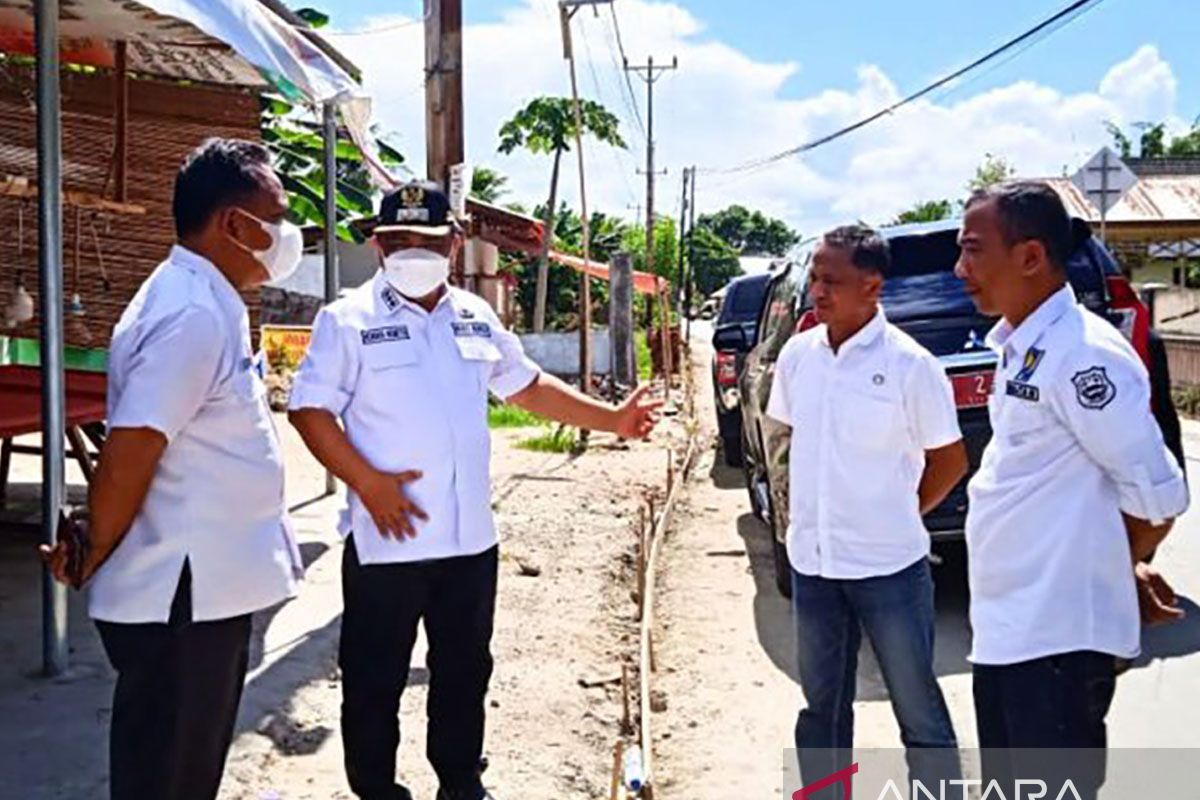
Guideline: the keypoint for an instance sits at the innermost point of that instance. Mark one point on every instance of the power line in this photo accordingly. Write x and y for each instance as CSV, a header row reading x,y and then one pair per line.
x,y
624,87
621,168
1068,14
616,23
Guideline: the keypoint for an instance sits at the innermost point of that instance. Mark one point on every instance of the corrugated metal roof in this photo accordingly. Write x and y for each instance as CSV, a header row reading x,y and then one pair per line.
x,y
1153,200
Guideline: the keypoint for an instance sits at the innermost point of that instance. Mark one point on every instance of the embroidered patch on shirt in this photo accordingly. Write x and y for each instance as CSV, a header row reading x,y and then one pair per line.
x,y
1093,388
1023,391
1033,359
480,329
466,313
395,333
391,298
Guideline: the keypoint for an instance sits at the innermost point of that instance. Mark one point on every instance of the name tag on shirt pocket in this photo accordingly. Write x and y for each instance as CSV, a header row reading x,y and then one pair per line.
x,y
390,355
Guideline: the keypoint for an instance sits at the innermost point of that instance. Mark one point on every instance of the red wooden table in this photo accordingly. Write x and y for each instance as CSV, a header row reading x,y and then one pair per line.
x,y
21,414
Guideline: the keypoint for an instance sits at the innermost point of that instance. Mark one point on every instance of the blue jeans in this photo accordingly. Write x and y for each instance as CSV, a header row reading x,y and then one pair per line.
x,y
897,613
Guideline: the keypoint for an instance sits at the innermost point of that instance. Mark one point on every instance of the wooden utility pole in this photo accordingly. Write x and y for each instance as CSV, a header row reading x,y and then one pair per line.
x,y
650,75
444,140
691,258
683,216
567,10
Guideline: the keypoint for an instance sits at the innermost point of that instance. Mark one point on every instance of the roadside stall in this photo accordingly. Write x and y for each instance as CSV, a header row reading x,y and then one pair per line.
x,y
100,101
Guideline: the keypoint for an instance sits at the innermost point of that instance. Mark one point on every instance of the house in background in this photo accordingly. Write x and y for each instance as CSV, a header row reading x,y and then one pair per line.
x,y
1152,226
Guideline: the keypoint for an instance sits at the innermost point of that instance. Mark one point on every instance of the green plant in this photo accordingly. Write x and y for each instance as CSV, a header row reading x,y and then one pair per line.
x,y
645,364
298,151
547,127
1187,400
506,416
558,440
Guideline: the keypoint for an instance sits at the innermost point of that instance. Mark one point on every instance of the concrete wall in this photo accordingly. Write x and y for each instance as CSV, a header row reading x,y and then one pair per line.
x,y
558,353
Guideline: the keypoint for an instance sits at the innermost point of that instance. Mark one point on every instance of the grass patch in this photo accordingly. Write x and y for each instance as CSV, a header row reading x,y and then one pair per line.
x,y
645,364
506,416
556,440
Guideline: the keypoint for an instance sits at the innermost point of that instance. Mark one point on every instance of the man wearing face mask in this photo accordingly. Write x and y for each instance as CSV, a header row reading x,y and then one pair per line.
x,y
188,528
406,363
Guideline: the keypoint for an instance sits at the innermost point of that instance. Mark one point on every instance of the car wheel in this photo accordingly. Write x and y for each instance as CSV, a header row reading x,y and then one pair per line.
x,y
783,567
749,476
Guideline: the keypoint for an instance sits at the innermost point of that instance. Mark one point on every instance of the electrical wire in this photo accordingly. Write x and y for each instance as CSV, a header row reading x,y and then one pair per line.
x,y
1053,23
600,95
616,24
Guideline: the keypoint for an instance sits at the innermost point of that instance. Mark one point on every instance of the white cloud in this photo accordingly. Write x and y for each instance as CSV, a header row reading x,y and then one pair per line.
x,y
724,107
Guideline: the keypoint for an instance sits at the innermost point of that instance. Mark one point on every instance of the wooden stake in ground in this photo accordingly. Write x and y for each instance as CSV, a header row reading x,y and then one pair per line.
x,y
626,718
618,765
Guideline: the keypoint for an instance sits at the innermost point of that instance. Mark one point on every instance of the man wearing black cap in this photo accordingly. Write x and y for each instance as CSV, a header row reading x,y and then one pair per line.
x,y
406,362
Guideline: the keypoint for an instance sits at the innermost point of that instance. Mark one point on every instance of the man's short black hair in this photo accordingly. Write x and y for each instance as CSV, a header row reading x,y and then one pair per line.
x,y
218,173
1031,211
868,250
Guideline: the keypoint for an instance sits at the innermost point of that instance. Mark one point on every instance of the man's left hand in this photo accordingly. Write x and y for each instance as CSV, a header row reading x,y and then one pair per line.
x,y
638,415
1156,598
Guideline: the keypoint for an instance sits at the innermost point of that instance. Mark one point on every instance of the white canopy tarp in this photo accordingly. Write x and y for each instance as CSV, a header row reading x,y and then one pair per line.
x,y
227,42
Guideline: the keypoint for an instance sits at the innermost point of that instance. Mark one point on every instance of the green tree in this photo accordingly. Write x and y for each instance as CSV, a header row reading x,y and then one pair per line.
x,y
488,185
750,232
714,261
298,152
1153,142
547,127
993,171
929,211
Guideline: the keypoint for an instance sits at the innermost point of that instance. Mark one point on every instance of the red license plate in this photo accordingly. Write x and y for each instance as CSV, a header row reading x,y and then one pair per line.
x,y
971,390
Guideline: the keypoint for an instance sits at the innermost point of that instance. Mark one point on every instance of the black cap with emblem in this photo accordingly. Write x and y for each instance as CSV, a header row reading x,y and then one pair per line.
x,y
419,207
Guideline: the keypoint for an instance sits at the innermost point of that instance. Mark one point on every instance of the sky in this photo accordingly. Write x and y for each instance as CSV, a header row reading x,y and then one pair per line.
x,y
756,77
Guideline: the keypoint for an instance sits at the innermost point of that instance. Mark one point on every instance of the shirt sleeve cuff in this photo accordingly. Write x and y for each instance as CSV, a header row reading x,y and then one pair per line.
x,y
944,438
125,419
310,395
514,381
1155,502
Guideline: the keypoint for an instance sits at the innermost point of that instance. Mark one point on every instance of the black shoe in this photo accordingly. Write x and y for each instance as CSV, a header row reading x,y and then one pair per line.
x,y
444,795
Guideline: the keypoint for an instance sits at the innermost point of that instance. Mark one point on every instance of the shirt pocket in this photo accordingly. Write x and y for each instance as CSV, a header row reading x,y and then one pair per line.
x,y
1022,421
481,356
868,421
389,357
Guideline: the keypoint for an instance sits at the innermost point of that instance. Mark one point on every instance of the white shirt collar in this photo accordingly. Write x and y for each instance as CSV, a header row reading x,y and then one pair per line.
x,y
864,337
1003,337
390,301
194,262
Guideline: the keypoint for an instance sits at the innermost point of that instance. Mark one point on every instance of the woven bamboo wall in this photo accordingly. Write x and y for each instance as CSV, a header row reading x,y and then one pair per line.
x,y
166,121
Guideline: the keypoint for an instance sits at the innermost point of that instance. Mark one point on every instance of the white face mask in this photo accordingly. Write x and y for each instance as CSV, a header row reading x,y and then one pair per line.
x,y
282,256
415,272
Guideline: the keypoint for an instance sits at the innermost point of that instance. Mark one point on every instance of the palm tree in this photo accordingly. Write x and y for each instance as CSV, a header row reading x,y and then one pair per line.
x,y
547,126
488,185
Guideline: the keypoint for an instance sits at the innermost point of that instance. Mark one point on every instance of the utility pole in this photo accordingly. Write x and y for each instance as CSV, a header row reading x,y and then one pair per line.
x,y
444,139
650,75
691,245
567,10
683,215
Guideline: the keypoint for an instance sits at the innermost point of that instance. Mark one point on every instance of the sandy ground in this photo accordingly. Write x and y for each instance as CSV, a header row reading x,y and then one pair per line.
x,y
548,736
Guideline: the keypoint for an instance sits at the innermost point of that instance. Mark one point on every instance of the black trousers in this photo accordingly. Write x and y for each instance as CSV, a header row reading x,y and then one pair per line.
x,y
456,598
1045,719
176,701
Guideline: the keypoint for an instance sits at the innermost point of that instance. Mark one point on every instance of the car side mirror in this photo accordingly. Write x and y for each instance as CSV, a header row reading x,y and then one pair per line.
x,y
730,337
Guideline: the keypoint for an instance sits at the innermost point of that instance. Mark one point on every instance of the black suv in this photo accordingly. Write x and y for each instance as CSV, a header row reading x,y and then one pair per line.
x,y
922,297
736,330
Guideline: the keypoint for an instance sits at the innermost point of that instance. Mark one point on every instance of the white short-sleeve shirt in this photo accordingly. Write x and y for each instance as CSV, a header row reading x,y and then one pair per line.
x,y
1074,444
411,389
861,420
181,364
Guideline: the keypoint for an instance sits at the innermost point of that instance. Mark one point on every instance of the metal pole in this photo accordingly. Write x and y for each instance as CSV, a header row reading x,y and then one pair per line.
x,y
332,273
691,260
1104,197
50,298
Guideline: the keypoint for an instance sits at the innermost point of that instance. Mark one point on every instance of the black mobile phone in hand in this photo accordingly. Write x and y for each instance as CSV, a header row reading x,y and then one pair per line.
x,y
72,530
